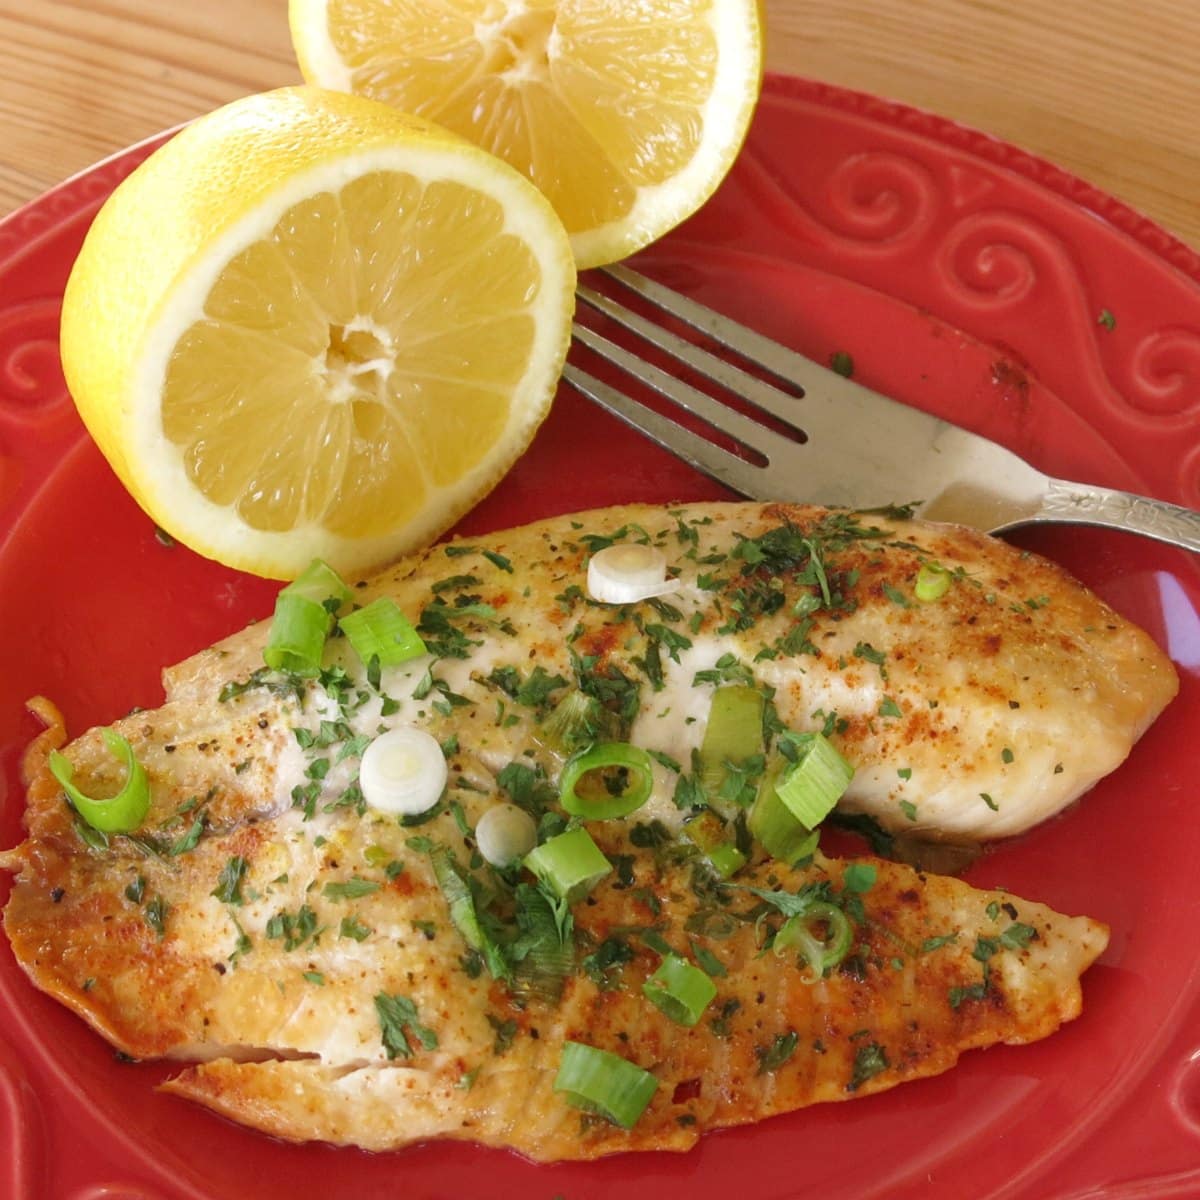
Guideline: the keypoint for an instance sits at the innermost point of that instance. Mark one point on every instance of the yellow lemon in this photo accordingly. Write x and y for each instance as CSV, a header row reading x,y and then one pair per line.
x,y
627,115
311,326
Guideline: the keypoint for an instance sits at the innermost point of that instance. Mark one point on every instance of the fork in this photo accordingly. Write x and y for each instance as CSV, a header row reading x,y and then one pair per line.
x,y
834,441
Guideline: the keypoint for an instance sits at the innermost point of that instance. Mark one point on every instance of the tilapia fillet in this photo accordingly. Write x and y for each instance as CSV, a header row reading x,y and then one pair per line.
x,y
296,946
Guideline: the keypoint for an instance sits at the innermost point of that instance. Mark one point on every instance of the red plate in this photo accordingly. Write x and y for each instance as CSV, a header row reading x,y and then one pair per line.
x,y
963,277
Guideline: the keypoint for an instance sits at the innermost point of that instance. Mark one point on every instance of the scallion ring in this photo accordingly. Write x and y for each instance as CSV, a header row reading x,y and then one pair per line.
x,y
320,582
933,582
380,630
681,990
570,864
628,572
603,1082
297,638
403,771
709,832
504,834
732,735
821,953
122,813
608,756
304,612
815,782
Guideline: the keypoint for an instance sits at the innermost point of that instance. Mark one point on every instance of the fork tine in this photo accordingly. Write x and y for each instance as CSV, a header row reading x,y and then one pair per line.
x,y
708,458
756,391
720,416
752,346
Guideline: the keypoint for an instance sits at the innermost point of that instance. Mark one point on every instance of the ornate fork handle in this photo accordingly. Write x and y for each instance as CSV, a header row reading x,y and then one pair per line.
x,y
1083,504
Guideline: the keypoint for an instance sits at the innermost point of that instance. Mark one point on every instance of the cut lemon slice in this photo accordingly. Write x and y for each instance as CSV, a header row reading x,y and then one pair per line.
x,y
627,115
310,326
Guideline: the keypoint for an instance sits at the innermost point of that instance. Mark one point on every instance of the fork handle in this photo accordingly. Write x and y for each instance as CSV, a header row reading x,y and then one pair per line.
x,y
1085,504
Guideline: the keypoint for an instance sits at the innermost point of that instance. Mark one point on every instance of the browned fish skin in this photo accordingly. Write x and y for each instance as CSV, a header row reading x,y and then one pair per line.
x,y
270,981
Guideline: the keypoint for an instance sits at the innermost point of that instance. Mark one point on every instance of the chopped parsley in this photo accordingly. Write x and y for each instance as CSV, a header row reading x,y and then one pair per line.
x,y
869,1060
295,929
771,1057
155,915
396,1015
352,928
229,882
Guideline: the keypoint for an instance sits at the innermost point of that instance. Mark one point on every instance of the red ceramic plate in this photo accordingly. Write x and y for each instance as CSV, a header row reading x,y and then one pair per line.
x,y
963,277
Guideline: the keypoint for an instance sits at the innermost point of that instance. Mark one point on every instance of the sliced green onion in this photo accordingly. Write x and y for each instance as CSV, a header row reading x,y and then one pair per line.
x,y
574,723
726,859
570,864
303,617
603,1082
819,952
606,757
403,771
457,892
711,836
380,630
544,951
504,834
682,991
297,639
628,572
320,582
933,582
779,833
733,733
814,783
774,826
122,813
794,798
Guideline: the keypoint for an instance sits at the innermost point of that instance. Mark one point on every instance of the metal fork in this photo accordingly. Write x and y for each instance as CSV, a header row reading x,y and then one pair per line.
x,y
848,446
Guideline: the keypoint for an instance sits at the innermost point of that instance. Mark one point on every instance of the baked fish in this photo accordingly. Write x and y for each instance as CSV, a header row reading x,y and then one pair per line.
x,y
332,971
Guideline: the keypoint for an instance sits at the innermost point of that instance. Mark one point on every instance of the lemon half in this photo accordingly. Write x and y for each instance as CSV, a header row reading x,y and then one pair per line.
x,y
627,115
310,326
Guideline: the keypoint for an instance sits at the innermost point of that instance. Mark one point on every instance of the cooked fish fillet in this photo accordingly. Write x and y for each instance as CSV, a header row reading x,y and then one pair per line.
x,y
295,945
971,717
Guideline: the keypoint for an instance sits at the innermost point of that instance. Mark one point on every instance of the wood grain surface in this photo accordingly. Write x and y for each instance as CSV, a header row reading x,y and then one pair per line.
x,y
1105,89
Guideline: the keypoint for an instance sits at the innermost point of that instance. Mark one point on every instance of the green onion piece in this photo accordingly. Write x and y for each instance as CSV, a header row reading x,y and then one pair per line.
x,y
380,630
303,617
709,834
297,638
682,991
606,757
602,1082
726,859
814,783
458,896
544,951
122,813
933,582
320,582
820,952
733,733
574,723
794,798
773,824
570,864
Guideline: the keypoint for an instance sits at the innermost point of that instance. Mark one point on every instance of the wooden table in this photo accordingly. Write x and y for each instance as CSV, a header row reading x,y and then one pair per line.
x,y
1104,88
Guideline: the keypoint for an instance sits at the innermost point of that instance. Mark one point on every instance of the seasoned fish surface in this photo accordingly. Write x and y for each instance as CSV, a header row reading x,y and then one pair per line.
x,y
973,716
296,947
